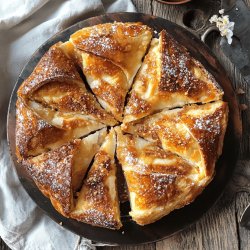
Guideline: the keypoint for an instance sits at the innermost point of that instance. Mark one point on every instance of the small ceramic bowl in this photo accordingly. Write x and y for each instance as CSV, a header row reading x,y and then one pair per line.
x,y
173,1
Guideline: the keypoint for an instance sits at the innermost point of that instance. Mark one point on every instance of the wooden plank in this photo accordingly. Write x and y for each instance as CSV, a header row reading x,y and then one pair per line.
x,y
219,226
190,238
216,230
141,247
143,6
241,202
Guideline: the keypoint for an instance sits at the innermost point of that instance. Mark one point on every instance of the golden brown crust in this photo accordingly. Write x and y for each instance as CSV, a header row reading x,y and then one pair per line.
x,y
52,173
107,81
167,130
53,66
98,203
72,53
89,146
123,43
208,129
183,74
56,84
169,77
65,97
100,212
33,135
195,132
59,173
69,121
158,181
164,173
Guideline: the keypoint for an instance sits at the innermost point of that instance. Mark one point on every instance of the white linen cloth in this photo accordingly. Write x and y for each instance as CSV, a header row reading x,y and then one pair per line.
x,y
24,26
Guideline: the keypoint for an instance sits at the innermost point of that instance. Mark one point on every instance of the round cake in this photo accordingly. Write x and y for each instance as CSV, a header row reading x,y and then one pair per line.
x,y
115,114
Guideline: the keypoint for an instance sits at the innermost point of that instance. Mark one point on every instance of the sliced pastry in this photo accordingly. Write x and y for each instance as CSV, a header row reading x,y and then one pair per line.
x,y
195,132
169,77
59,173
107,81
35,136
74,54
97,203
158,180
56,91
124,44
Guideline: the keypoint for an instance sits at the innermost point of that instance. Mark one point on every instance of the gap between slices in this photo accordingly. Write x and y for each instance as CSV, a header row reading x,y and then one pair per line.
x,y
97,203
168,78
59,173
194,132
158,181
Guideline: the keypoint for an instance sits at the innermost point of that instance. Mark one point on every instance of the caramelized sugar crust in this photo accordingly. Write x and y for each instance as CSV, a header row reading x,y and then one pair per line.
x,y
53,65
195,132
97,203
33,135
123,43
100,210
169,77
56,84
65,97
158,180
164,171
52,173
107,81
182,73
208,129
59,173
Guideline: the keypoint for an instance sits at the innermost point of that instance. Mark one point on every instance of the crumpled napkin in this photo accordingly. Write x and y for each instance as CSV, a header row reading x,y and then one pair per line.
x,y
24,26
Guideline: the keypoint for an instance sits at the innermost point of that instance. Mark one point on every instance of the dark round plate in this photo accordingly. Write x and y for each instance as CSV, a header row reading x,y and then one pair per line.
x,y
131,233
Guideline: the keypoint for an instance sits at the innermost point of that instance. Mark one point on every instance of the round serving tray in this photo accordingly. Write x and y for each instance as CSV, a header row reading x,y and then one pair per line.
x,y
131,233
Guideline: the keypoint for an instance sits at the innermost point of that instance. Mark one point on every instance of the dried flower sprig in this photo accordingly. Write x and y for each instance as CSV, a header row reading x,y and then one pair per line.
x,y
224,25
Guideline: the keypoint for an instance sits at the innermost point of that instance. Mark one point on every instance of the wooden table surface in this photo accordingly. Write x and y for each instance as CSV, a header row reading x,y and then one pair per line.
x,y
219,228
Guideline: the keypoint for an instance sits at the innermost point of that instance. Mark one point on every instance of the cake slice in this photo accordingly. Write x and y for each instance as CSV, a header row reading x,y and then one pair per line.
x,y
55,90
59,173
158,180
97,203
35,136
107,81
168,78
195,132
124,44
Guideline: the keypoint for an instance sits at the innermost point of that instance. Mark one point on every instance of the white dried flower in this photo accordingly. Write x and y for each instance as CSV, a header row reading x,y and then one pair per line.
x,y
224,25
213,19
221,11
